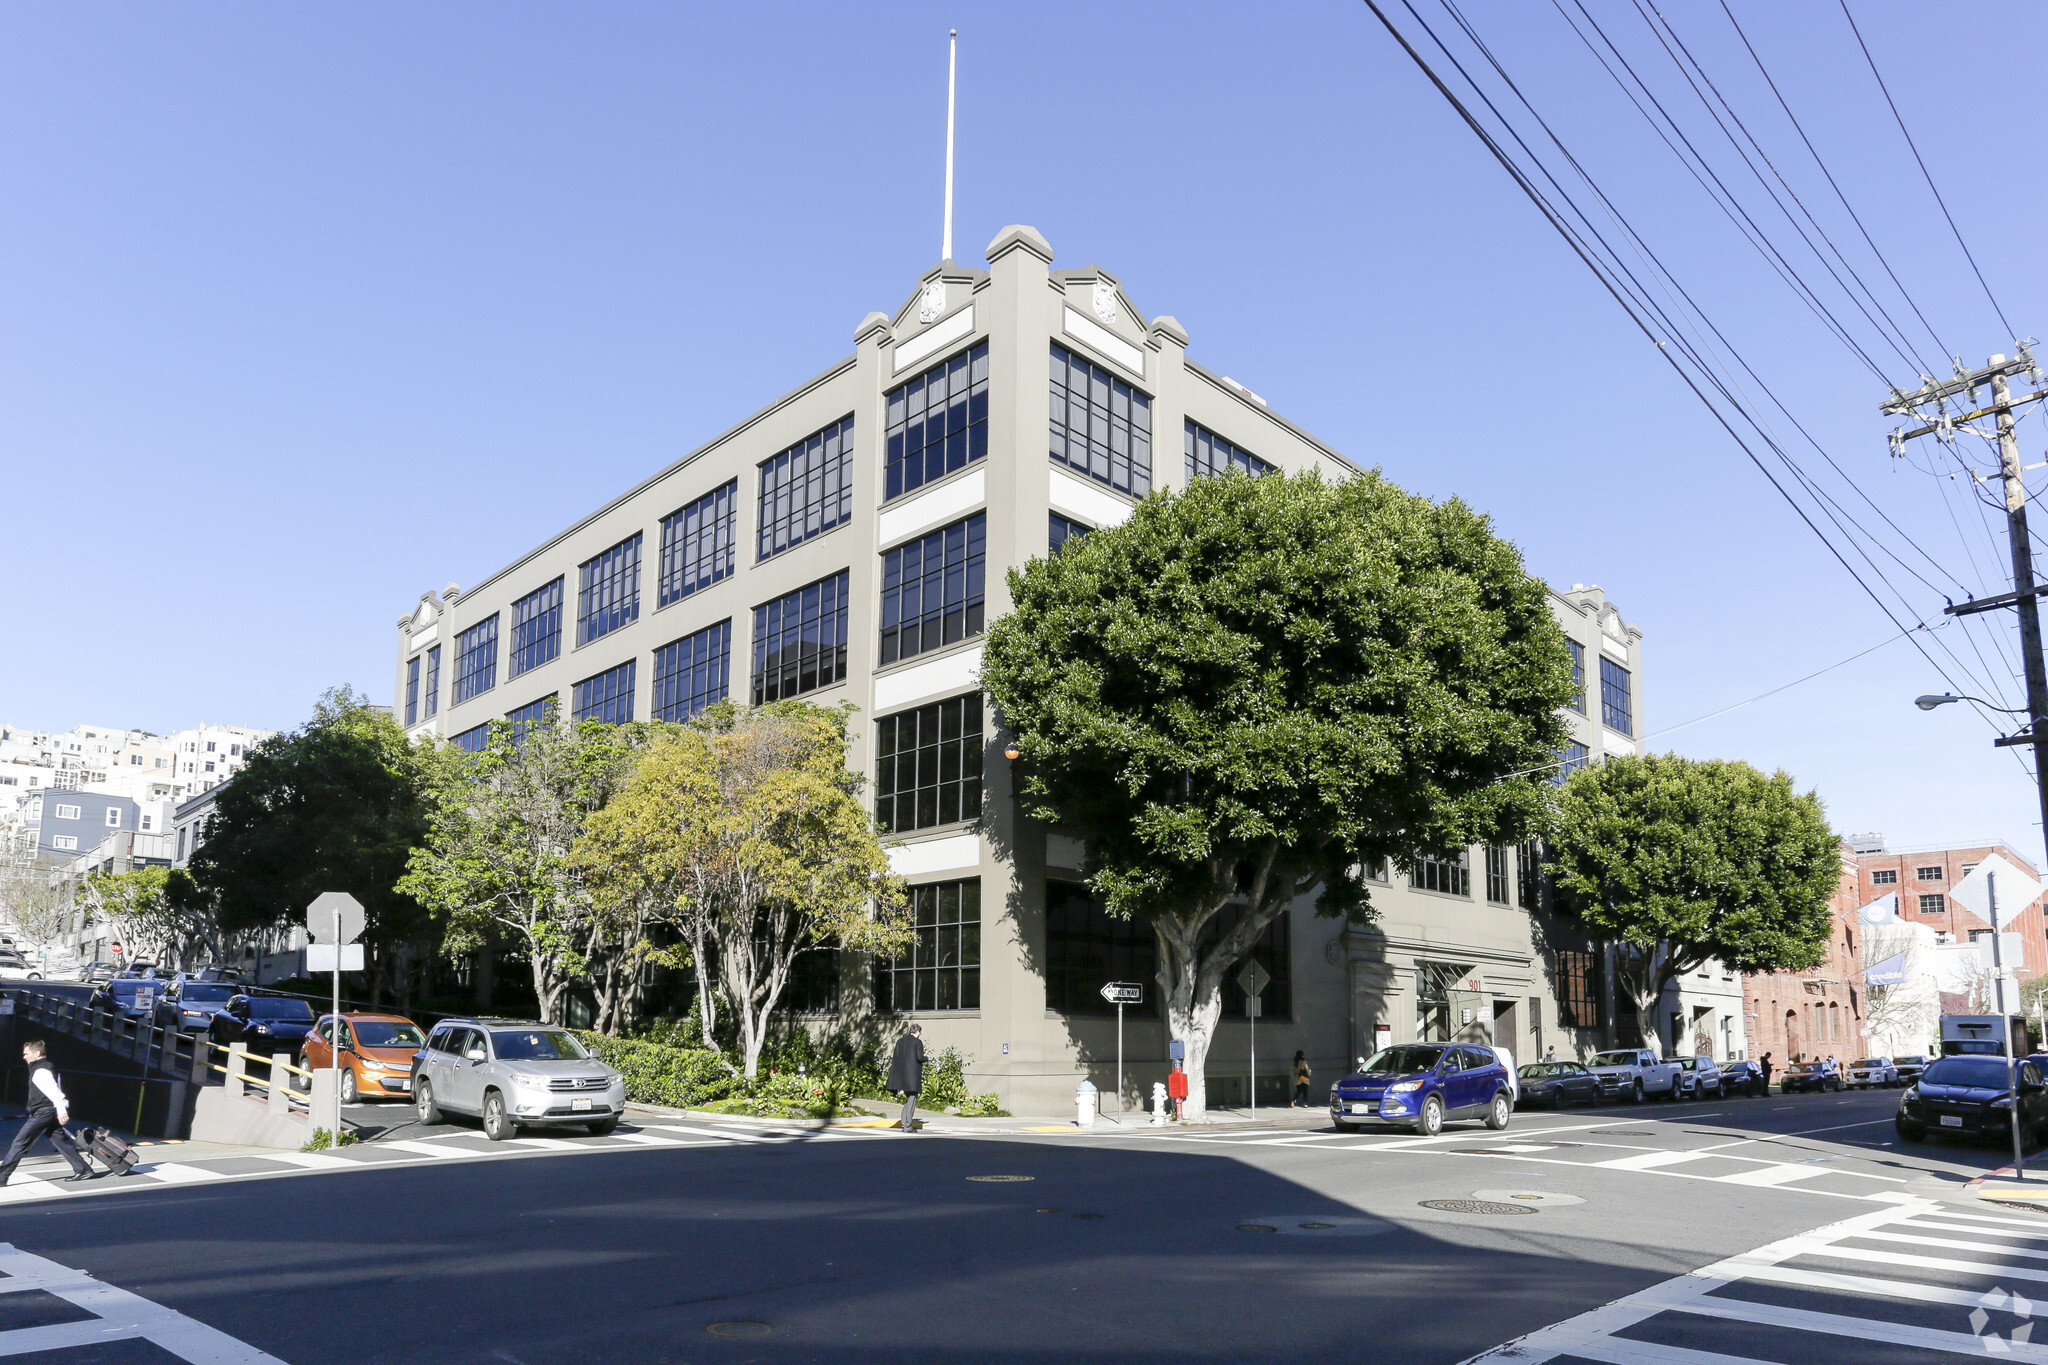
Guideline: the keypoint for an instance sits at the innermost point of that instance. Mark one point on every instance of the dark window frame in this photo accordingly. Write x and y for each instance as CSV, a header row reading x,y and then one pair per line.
x,y
1617,704
1580,988
805,490
942,969
1114,441
699,544
1578,652
1208,455
608,590
928,764
605,697
433,680
934,590
473,740
1061,529
476,660
1443,875
924,444
1497,879
807,629
693,672
536,629
412,690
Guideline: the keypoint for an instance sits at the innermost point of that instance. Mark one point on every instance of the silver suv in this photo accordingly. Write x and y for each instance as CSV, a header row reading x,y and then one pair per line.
x,y
514,1075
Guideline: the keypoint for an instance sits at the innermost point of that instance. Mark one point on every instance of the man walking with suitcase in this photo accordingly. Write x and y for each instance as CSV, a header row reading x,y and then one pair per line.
x,y
906,1074
48,1112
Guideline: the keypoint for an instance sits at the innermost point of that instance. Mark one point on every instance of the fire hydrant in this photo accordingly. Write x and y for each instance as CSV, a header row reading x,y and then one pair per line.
x,y
1085,1104
1159,1104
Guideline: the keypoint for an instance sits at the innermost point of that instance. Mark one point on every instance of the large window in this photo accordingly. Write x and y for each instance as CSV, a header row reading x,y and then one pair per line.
x,y
800,640
476,659
1885,876
1578,988
1933,905
693,672
813,985
433,680
412,690
1570,759
1578,702
938,422
1496,874
608,591
942,970
808,489
928,765
608,697
1927,874
1062,530
1451,876
1086,947
536,629
530,715
1616,710
1209,455
932,589
697,543
473,740
1529,875
1101,426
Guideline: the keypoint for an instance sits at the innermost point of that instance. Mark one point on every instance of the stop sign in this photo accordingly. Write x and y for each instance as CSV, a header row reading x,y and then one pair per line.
x,y
117,947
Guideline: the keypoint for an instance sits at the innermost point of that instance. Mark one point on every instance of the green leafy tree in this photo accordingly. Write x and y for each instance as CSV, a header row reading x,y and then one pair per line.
x,y
496,861
746,832
1681,861
337,805
135,906
1254,687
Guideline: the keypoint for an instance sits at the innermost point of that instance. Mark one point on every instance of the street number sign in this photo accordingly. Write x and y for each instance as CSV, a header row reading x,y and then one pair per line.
x,y
1124,993
1254,978
320,917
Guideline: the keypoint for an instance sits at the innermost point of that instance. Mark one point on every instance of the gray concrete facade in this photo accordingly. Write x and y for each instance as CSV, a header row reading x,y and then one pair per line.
x,y
1343,984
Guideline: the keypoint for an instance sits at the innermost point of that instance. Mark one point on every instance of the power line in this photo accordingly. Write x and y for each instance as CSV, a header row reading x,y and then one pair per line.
x,y
1783,687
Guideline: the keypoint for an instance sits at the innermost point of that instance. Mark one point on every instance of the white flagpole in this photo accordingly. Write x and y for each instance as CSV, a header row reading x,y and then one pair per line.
x,y
952,70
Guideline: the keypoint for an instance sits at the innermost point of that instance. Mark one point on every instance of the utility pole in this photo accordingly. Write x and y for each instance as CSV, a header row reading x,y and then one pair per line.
x,y
1931,404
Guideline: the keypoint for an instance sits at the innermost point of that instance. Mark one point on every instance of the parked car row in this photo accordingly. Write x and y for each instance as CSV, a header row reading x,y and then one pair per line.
x,y
1973,1097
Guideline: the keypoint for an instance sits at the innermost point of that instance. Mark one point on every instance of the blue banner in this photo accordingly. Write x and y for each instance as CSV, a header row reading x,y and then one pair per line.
x,y
1890,972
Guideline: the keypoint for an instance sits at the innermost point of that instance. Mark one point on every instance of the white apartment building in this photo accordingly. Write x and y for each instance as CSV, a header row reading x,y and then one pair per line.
x,y
155,773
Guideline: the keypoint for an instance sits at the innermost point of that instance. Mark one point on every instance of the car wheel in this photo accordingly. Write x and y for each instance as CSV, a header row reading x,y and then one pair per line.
x,y
349,1093
604,1126
1498,1114
1432,1121
423,1103
498,1124
303,1063
1636,1095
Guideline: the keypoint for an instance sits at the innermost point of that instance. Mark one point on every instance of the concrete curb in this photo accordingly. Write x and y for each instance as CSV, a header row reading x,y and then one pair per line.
x,y
1994,1187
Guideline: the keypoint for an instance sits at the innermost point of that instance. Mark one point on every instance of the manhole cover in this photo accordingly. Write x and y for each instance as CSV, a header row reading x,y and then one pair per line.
x,y
1256,1227
1539,1198
738,1329
1001,1179
1316,1224
1474,1206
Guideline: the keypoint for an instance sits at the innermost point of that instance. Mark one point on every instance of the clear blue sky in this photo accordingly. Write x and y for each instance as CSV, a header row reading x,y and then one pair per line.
x,y
308,309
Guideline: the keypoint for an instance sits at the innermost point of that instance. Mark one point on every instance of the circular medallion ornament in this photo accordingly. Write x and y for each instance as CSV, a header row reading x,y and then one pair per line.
x,y
1105,301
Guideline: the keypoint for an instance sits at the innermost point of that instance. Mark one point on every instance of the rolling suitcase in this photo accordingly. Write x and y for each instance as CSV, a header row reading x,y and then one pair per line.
x,y
117,1156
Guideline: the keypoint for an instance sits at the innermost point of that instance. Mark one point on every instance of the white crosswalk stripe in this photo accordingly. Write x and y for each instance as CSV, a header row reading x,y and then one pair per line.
x,y
1967,1306
117,1316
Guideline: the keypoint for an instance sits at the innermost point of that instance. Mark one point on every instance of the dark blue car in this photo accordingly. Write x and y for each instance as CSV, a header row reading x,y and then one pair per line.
x,y
1971,1097
267,1023
1420,1085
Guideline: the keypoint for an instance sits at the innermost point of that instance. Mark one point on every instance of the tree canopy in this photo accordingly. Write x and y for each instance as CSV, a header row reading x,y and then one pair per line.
x,y
1255,686
1682,861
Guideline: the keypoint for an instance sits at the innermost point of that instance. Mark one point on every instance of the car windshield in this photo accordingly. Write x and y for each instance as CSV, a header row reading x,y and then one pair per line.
x,y
1979,1073
537,1045
386,1033
1615,1059
280,1007
1804,1066
1912,1061
1689,1063
1538,1071
1401,1060
1867,1061
210,993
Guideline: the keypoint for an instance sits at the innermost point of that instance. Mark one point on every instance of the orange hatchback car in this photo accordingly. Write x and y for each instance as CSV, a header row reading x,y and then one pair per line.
x,y
376,1054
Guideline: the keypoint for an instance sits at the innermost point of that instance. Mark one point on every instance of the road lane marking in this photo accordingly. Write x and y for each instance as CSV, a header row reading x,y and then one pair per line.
x,y
729,1135
1836,1251
1775,1175
1842,1325
175,1173
311,1161
1953,1243
428,1148
1648,1161
1965,1227
1835,1128
118,1315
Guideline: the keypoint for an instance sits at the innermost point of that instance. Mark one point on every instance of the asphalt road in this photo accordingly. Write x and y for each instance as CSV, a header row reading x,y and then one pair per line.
x,y
758,1245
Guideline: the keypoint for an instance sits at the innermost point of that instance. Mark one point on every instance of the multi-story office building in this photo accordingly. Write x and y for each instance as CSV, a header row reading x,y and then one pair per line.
x,y
849,541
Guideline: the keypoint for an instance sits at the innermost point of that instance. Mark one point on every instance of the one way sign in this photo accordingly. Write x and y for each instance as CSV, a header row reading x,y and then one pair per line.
x,y
1124,993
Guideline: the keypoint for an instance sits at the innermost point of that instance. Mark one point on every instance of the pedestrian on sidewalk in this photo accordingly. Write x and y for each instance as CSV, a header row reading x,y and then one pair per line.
x,y
1765,1067
1301,1074
48,1112
906,1074
1177,1091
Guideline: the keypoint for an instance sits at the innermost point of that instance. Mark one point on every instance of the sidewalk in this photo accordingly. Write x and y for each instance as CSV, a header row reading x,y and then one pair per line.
x,y
1133,1121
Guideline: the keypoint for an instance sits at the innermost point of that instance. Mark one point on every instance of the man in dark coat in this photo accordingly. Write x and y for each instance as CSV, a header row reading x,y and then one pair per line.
x,y
906,1074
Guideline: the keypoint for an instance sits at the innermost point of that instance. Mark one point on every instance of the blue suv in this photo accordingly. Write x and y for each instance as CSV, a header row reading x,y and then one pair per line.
x,y
1419,1085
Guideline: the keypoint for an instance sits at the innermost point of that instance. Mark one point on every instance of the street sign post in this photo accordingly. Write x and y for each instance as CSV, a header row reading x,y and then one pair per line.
x,y
334,920
1121,993
1254,979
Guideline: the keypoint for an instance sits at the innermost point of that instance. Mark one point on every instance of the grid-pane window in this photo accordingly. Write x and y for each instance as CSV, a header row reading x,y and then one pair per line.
x,y
1209,455
697,543
1885,876
412,690
813,985
938,422
1064,529
1578,988
536,629
433,680
932,589
608,697
1932,905
1496,874
928,765
1452,876
942,970
1578,702
472,741
1086,947
1529,875
530,715
693,672
1101,426
800,640
1927,874
1570,759
476,659
608,591
1616,708
808,489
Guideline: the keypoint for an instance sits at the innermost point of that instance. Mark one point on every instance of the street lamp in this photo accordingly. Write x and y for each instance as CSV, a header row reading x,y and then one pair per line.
x,y
1934,699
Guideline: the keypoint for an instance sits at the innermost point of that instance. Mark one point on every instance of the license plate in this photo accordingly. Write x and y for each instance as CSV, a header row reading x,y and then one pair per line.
x,y
579,1104
1951,1120
1365,1107
397,1083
